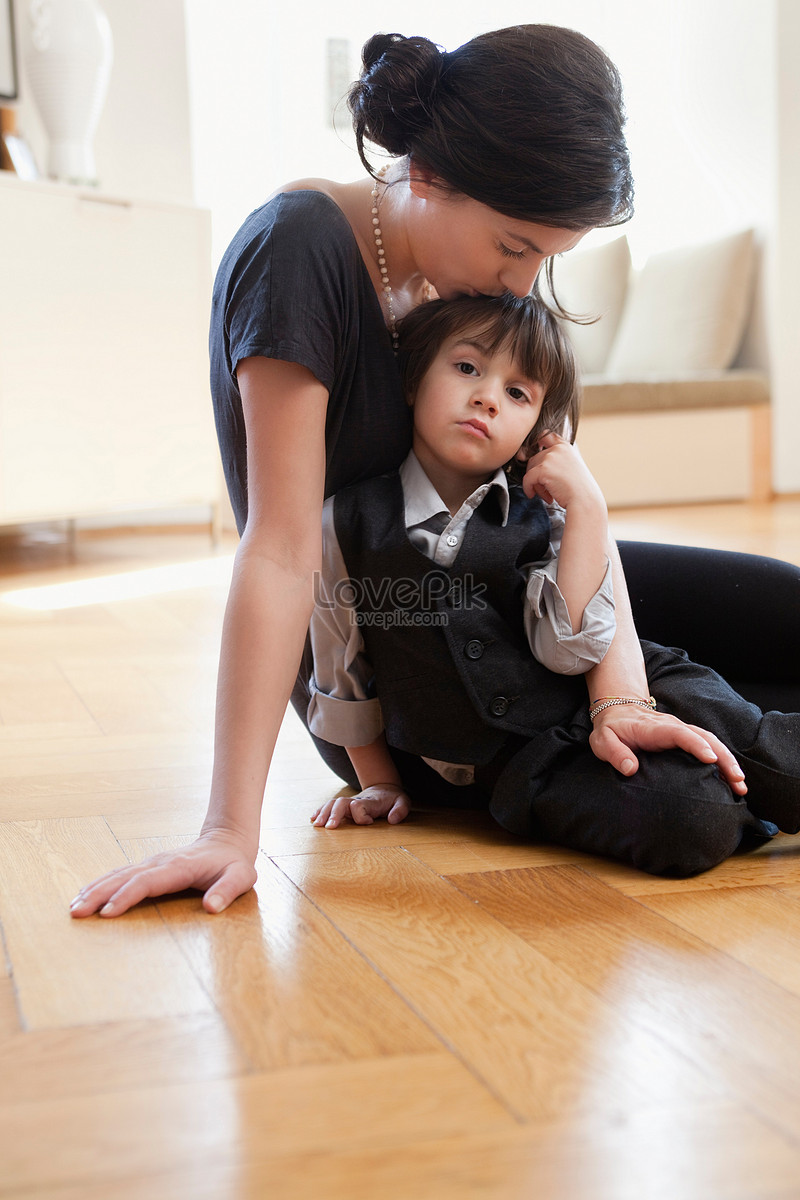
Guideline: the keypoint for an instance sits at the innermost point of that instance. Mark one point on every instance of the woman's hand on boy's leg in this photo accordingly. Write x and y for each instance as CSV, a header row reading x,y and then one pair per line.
x,y
619,732
381,800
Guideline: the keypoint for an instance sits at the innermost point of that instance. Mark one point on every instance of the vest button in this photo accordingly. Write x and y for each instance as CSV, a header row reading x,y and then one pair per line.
x,y
499,706
473,649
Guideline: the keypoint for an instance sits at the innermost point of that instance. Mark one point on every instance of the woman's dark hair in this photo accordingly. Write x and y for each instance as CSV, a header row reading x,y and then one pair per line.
x,y
527,120
525,328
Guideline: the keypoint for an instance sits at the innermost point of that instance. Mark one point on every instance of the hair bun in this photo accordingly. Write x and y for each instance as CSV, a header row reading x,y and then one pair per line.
x,y
527,120
393,100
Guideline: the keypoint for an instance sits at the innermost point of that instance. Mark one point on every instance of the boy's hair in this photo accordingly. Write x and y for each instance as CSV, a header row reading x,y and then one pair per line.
x,y
525,328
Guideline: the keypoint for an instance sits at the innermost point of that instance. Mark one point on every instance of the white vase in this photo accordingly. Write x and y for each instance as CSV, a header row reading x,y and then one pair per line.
x,y
68,58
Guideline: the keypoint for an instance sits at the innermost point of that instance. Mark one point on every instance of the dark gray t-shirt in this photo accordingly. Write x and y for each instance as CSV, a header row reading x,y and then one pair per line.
x,y
293,286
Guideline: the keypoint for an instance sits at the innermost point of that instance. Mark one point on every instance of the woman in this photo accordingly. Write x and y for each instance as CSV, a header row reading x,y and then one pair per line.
x,y
511,148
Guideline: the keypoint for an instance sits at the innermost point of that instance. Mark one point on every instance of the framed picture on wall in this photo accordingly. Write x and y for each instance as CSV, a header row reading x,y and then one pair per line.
x,y
8,56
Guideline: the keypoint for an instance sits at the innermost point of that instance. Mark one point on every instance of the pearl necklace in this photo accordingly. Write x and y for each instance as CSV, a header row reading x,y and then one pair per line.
x,y
385,284
386,287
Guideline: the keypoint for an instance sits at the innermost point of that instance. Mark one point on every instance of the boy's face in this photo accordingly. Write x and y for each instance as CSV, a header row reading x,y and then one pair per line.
x,y
472,410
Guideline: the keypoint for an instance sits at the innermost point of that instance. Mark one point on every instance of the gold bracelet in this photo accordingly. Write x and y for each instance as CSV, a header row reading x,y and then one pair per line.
x,y
609,701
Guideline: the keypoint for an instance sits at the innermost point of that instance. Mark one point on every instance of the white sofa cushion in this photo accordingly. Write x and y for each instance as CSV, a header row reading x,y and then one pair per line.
x,y
686,310
593,283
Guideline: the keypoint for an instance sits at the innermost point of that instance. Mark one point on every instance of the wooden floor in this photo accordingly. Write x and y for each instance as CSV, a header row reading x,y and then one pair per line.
x,y
423,1012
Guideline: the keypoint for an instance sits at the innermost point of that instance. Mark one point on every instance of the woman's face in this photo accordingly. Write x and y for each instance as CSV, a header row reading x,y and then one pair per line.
x,y
464,248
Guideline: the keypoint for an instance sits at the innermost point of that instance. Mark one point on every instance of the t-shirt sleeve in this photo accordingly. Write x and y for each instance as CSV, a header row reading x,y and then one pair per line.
x,y
292,285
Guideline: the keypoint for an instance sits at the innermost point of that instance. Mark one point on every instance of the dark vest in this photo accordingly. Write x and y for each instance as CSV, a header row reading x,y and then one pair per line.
x,y
453,669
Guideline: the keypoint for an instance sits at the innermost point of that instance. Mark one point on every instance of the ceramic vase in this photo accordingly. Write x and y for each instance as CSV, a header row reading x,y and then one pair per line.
x,y
68,60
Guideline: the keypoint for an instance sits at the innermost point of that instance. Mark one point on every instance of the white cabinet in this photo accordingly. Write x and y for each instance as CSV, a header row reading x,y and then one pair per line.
x,y
104,397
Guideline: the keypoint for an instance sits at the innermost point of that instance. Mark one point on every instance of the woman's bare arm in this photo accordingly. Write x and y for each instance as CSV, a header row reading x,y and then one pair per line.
x,y
265,625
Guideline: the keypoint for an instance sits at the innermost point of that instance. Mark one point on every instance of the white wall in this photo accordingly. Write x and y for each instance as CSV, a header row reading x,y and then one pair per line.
x,y
143,142
702,86
785,254
701,117
702,83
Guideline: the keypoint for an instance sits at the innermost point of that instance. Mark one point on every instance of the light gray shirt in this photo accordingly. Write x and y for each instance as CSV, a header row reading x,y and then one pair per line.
x,y
343,708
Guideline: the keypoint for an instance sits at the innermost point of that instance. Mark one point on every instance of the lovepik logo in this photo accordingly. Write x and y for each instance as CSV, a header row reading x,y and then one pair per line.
x,y
387,594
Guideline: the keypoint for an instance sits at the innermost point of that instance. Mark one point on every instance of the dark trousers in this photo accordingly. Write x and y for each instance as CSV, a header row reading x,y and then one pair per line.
x,y
675,816
737,613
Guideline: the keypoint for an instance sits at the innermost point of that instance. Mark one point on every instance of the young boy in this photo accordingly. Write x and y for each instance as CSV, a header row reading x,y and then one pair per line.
x,y
456,612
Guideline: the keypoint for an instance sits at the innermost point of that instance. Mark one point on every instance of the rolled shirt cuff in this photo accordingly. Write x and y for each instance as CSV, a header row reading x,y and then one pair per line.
x,y
344,722
549,628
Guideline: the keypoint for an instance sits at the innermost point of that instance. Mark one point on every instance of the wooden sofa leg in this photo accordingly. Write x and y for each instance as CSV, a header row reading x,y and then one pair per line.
x,y
761,461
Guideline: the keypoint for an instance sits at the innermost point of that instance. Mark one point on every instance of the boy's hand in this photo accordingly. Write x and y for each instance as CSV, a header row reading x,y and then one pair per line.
x,y
381,800
559,473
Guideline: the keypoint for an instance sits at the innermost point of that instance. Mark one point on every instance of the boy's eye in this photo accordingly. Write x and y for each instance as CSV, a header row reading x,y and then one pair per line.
x,y
517,394
466,368
511,253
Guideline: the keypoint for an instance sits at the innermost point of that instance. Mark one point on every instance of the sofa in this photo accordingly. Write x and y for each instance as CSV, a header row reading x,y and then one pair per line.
x,y
671,411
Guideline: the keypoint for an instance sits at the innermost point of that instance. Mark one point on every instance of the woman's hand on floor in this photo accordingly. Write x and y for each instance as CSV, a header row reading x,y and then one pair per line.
x,y
381,800
217,864
621,730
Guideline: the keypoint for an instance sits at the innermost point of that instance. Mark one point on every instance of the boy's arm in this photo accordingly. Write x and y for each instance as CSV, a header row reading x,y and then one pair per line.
x,y
620,730
381,792
582,559
343,708
569,601
374,764
559,473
